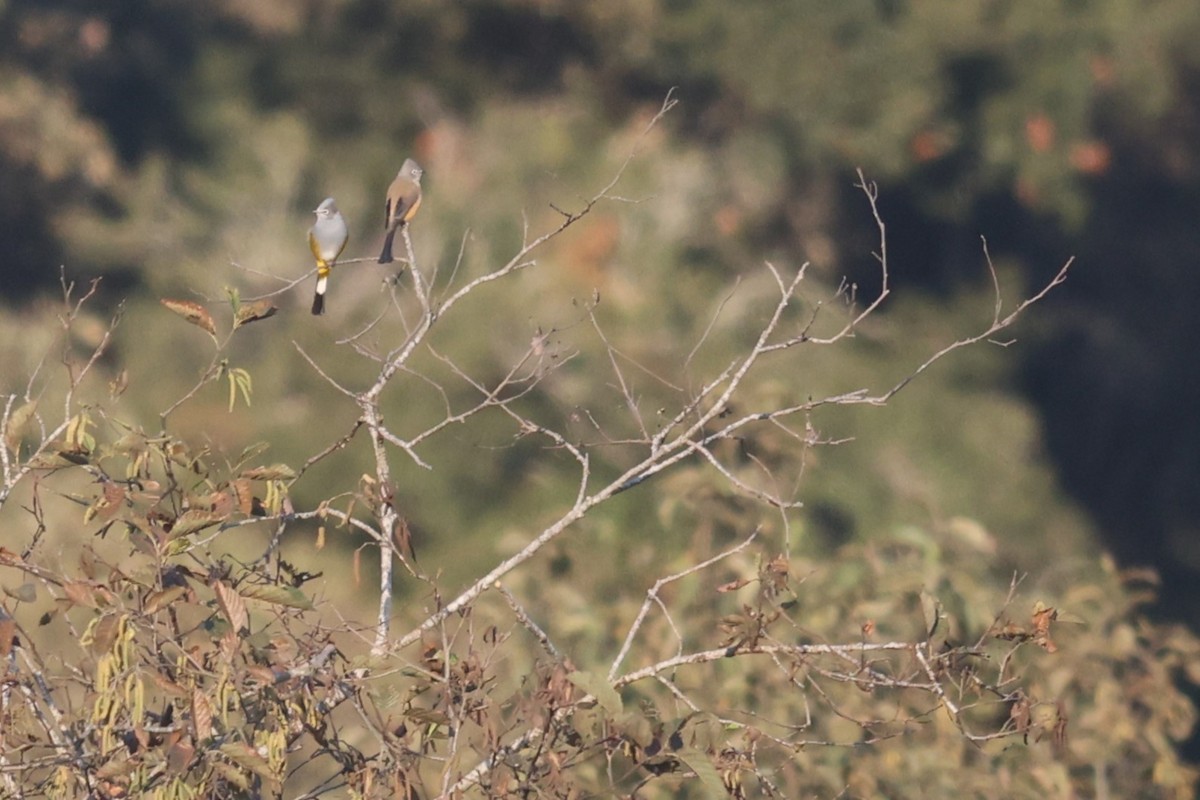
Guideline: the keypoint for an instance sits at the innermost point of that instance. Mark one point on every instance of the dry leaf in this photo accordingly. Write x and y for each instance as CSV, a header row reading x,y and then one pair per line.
x,y
8,629
1042,617
17,421
244,492
232,606
252,312
275,472
193,312
1021,715
179,757
156,601
202,716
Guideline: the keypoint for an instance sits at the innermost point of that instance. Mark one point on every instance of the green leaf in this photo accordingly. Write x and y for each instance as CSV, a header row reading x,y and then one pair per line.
x,y
700,764
288,596
25,593
602,690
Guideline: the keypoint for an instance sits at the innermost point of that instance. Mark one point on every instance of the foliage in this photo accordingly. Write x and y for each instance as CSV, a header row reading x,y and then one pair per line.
x,y
162,639
171,147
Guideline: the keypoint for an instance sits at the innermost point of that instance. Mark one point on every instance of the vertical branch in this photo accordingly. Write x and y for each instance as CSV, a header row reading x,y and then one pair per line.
x,y
387,519
372,417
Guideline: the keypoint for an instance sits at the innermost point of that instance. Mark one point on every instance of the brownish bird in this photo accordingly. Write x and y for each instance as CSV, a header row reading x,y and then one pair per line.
x,y
403,200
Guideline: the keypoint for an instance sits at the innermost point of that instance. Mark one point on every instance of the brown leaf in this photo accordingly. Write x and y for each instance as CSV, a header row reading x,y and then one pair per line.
x,y
118,385
732,586
8,629
1060,729
202,715
1020,714
111,790
232,606
156,601
229,643
219,503
193,312
1042,617
264,675
1010,631
116,768
87,563
179,757
402,536
108,504
244,492
80,594
167,685
252,312
104,633
775,572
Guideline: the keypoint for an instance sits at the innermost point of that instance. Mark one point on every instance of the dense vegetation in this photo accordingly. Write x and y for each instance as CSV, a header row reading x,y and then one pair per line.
x,y
193,522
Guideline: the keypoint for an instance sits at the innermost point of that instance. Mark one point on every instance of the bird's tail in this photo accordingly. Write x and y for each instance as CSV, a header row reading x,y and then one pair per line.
x,y
318,306
385,256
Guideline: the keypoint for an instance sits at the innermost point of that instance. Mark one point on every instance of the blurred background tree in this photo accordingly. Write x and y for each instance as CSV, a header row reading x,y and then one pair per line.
x,y
178,149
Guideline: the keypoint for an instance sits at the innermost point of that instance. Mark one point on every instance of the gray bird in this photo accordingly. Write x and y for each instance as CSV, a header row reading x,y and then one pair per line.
x,y
327,239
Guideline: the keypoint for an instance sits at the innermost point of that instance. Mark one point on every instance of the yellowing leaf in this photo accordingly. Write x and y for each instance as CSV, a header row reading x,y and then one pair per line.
x,y
239,381
275,472
252,312
248,759
17,421
232,775
193,520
